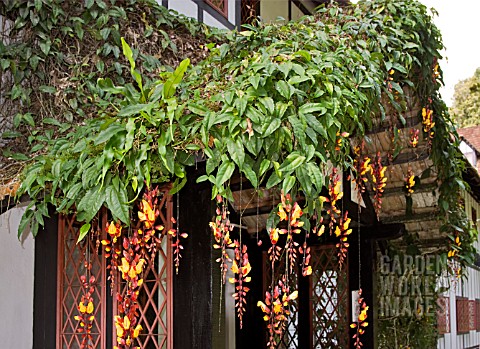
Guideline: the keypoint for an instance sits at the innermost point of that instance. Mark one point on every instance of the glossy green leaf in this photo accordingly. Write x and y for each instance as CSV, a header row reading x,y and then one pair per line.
x,y
84,229
116,200
224,173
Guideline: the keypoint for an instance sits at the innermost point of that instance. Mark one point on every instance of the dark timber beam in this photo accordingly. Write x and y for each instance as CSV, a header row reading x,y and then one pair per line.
x,y
400,191
409,122
419,217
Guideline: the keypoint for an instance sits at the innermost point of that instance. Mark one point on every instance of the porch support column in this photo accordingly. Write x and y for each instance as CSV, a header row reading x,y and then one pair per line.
x,y
192,301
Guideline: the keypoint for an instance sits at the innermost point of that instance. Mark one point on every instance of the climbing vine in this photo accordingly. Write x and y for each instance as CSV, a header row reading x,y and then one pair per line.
x,y
282,104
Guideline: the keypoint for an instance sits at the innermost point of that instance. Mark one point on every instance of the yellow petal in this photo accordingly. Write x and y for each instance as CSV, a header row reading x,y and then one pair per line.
x,y
246,269
90,308
125,267
277,307
235,267
82,308
337,231
136,331
321,230
126,322
293,295
262,306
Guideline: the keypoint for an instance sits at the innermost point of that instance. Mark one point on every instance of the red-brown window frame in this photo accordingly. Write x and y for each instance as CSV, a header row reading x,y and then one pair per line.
x,y
463,317
472,318
224,11
68,222
443,315
477,314
65,225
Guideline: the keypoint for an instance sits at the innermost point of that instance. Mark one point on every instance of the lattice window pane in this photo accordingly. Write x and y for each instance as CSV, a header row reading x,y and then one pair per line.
x,y
472,325
329,300
155,296
443,315
219,5
289,339
72,260
462,315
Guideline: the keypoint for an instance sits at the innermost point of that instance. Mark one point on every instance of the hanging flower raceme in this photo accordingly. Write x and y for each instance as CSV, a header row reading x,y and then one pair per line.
x,y
379,182
435,72
342,231
276,309
126,332
241,268
414,137
221,229
362,167
176,243
339,140
389,79
428,124
274,251
138,248
335,193
455,245
133,263
305,251
290,214
150,233
361,321
409,183
86,310
112,250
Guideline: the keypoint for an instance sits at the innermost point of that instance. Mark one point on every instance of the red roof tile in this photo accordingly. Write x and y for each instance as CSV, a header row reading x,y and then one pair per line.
x,y
471,135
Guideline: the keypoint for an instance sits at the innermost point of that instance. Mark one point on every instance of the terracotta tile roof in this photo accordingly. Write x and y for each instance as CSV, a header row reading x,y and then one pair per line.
x,y
471,135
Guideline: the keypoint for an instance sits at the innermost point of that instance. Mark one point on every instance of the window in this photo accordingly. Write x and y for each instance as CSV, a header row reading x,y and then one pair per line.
x,y
155,297
219,5
72,261
472,318
322,306
443,315
463,315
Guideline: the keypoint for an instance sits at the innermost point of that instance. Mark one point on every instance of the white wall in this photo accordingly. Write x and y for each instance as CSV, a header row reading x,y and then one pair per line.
x,y
470,289
16,284
186,7
190,9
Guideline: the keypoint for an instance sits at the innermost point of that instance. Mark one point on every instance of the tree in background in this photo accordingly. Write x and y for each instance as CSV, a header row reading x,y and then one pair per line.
x,y
466,101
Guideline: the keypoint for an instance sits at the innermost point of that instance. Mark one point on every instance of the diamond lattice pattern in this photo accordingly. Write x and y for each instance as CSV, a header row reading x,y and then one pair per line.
x,y
289,339
155,295
72,259
329,300
220,5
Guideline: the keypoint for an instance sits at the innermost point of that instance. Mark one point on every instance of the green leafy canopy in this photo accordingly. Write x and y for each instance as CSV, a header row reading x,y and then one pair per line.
x,y
270,102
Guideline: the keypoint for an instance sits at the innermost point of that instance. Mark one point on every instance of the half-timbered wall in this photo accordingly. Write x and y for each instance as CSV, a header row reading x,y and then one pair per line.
x,y
223,14
464,300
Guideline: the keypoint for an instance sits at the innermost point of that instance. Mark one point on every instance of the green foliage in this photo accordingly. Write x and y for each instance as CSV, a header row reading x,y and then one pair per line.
x,y
276,102
466,101
408,332
57,49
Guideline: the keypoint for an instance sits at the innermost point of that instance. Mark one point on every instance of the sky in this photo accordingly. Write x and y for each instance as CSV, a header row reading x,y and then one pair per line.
x,y
458,20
